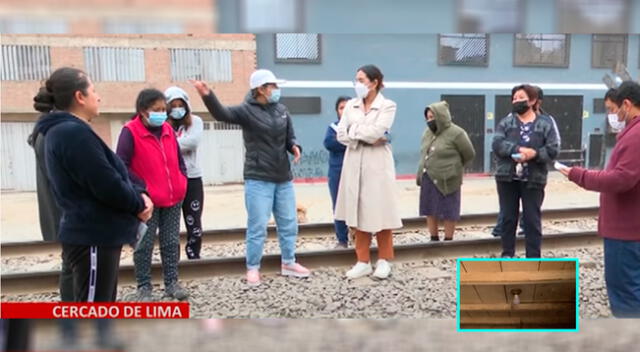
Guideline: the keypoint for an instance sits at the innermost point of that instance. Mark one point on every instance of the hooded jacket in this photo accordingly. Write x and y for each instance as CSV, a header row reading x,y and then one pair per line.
x,y
188,137
444,154
268,135
48,211
90,184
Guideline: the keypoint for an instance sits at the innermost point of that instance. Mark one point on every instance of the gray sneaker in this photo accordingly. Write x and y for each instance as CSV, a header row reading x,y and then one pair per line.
x,y
176,291
144,294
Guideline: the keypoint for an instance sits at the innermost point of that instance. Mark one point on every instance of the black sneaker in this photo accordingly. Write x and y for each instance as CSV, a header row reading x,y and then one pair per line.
x,y
176,291
144,294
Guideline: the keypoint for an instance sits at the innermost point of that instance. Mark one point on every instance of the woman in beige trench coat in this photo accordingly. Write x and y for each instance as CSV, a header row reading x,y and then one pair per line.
x,y
367,197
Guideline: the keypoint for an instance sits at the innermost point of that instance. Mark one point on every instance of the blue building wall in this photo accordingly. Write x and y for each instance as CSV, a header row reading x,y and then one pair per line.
x,y
402,16
413,58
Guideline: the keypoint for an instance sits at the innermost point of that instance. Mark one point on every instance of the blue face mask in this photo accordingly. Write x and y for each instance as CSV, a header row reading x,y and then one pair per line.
x,y
275,96
178,113
156,119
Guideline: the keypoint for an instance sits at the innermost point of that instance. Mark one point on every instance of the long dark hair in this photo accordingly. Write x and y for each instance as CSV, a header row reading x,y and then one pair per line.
x,y
60,88
58,93
373,73
146,98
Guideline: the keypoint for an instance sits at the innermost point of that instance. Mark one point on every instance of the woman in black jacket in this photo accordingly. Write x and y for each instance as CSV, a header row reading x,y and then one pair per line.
x,y
101,208
268,138
524,143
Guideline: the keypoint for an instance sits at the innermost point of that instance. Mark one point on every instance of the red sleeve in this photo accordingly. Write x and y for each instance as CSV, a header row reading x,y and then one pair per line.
x,y
623,177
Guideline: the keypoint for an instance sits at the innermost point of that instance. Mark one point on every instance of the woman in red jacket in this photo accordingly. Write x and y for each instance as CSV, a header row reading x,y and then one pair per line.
x,y
149,148
619,214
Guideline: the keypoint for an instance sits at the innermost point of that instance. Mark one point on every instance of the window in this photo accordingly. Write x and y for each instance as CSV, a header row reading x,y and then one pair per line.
x,y
302,105
201,64
255,16
31,25
549,50
490,16
593,16
25,62
141,26
598,106
608,49
467,49
115,64
297,47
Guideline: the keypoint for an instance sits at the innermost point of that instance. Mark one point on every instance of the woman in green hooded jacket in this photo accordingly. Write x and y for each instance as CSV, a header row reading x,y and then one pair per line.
x,y
445,150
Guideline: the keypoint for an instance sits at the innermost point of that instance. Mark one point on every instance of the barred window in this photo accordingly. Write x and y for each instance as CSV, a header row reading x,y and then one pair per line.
x,y
115,64
25,62
297,47
201,64
549,50
468,49
608,49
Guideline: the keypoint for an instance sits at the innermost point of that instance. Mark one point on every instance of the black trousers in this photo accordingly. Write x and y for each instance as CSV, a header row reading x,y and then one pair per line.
x,y
94,270
510,194
17,335
192,213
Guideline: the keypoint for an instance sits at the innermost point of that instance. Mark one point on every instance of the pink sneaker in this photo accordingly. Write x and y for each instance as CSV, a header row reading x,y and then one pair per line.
x,y
295,270
253,277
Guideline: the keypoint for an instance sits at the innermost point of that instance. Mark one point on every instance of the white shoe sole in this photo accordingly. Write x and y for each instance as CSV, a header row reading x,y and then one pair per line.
x,y
381,277
286,272
253,284
368,272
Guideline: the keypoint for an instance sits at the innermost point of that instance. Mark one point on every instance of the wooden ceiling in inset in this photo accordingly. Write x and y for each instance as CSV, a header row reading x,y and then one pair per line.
x,y
547,299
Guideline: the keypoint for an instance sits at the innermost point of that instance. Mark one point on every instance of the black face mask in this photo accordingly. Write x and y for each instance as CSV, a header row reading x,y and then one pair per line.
x,y
432,125
520,107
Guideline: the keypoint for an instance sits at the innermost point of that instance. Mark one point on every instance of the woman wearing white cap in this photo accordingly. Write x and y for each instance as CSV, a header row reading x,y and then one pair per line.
x,y
188,128
268,136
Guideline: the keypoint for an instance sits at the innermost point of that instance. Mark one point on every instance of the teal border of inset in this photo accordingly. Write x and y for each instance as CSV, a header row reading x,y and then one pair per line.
x,y
518,260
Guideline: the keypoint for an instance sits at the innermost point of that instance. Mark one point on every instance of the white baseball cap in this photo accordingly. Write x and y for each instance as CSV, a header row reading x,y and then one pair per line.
x,y
262,77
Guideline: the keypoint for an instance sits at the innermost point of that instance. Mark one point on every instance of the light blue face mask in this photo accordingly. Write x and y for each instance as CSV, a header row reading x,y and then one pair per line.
x,y
275,96
157,118
178,113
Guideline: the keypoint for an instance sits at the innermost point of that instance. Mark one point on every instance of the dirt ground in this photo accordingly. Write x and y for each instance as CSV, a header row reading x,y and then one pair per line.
x,y
224,205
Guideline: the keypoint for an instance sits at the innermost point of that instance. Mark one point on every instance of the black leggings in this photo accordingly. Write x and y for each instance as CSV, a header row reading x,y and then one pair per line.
x,y
192,213
94,270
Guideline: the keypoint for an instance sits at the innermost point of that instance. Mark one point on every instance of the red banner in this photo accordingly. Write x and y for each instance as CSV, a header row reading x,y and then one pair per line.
x,y
120,310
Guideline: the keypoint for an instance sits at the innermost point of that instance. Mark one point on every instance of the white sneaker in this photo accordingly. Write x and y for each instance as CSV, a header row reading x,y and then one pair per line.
x,y
359,270
383,269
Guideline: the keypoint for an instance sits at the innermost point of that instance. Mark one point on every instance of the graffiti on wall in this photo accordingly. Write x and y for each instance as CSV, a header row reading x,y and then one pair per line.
x,y
313,163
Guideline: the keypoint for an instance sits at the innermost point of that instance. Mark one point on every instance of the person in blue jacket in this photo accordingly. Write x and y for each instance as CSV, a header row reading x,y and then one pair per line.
x,y
336,155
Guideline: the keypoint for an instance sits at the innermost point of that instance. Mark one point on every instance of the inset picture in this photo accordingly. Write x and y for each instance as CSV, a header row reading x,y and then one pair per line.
x,y
517,294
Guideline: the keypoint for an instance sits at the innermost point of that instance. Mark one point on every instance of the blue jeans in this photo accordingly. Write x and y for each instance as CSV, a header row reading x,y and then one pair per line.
x,y
261,199
342,232
622,275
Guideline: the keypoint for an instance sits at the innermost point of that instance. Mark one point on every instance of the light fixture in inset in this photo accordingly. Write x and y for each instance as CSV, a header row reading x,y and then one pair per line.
x,y
516,296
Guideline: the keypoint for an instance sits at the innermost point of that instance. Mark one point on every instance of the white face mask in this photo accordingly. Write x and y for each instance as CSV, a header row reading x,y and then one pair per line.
x,y
616,125
361,90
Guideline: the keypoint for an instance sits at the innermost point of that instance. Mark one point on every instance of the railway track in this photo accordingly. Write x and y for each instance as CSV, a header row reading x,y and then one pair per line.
x,y
15,249
47,281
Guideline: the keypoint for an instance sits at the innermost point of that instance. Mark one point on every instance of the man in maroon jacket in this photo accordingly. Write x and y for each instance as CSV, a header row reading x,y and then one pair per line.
x,y
619,216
